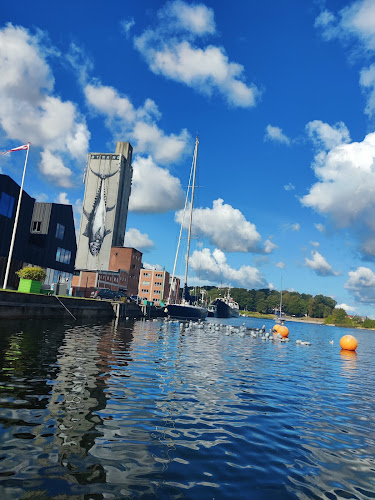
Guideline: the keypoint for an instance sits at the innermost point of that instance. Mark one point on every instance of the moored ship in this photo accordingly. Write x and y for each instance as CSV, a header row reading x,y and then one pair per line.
x,y
225,307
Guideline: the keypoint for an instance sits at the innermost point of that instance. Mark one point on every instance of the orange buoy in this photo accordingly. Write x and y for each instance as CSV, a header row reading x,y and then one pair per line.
x,y
348,343
276,328
283,330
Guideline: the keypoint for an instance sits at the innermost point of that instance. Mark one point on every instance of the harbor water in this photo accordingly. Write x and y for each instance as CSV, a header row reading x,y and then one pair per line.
x,y
148,409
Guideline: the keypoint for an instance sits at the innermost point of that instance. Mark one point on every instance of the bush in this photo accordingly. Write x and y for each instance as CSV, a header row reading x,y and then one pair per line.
x,y
32,273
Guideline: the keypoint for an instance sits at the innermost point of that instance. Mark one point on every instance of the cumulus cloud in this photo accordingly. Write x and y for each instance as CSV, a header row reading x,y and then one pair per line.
x,y
295,226
319,265
154,189
355,22
327,137
138,124
280,264
53,168
320,227
227,228
171,49
276,134
214,268
28,109
315,244
63,199
289,187
126,26
361,284
345,189
348,309
155,267
135,239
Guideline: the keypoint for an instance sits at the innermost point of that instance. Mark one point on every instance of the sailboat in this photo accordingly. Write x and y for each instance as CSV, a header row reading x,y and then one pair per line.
x,y
279,319
186,309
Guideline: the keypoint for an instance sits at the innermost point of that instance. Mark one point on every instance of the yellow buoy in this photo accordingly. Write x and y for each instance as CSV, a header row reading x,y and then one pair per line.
x,y
348,343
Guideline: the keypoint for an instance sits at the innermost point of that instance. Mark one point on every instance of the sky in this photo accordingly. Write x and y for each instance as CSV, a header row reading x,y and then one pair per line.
x,y
281,95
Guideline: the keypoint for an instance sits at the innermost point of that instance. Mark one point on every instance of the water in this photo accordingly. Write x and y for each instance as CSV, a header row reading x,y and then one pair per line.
x,y
144,410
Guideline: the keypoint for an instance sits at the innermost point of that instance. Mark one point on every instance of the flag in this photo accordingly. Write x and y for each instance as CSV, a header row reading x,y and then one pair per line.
x,y
25,146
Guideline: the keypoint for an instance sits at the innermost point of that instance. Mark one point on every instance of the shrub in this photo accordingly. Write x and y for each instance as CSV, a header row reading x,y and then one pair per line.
x,y
32,273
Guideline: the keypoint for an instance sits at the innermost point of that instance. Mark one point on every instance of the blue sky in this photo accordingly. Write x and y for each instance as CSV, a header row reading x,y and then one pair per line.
x,y
282,95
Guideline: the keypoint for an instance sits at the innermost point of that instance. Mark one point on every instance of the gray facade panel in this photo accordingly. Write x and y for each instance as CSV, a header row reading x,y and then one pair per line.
x,y
105,207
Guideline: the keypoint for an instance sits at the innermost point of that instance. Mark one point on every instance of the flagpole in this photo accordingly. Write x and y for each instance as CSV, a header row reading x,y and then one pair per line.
x,y
15,222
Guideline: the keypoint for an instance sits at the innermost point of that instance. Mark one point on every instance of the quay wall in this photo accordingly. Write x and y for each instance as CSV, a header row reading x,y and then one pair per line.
x,y
15,305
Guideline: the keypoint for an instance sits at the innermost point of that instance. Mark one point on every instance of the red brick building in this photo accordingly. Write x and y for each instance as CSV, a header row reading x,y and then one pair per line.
x,y
87,281
130,260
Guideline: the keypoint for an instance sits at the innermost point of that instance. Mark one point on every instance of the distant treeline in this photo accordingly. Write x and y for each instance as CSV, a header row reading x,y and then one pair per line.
x,y
267,301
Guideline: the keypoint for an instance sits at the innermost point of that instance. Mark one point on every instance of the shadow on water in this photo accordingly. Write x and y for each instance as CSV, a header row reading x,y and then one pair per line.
x,y
151,409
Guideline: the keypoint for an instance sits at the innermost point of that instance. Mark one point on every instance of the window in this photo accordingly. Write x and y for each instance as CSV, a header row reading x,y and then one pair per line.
x,y
158,275
95,157
144,290
36,226
63,255
6,205
115,157
158,283
157,292
146,275
145,282
105,157
60,230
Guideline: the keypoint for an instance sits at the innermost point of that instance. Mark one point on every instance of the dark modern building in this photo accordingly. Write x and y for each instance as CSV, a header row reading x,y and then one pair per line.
x,y
45,235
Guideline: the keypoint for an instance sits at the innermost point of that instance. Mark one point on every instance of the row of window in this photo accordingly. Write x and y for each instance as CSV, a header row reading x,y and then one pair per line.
x,y
63,255
156,283
105,157
156,292
157,275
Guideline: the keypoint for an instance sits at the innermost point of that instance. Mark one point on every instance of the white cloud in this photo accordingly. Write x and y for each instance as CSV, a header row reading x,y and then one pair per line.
x,y
135,239
154,189
214,268
269,246
348,309
197,19
315,244
280,264
169,51
327,137
355,22
289,187
63,199
126,26
320,227
226,228
138,124
53,168
319,265
156,267
295,226
367,81
276,134
361,284
28,109
346,185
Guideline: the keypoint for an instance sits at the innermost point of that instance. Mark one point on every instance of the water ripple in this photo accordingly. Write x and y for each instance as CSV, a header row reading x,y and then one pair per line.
x,y
148,409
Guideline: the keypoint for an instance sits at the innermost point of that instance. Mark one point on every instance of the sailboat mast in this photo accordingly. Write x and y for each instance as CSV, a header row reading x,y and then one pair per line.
x,y
179,239
191,210
281,295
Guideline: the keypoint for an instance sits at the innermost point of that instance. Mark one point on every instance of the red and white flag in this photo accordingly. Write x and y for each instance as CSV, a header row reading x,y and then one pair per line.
x,y
25,146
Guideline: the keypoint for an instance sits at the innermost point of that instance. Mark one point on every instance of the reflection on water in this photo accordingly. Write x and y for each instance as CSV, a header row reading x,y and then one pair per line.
x,y
147,409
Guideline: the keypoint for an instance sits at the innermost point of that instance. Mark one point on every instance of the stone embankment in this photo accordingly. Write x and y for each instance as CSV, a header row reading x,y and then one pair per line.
x,y
15,305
